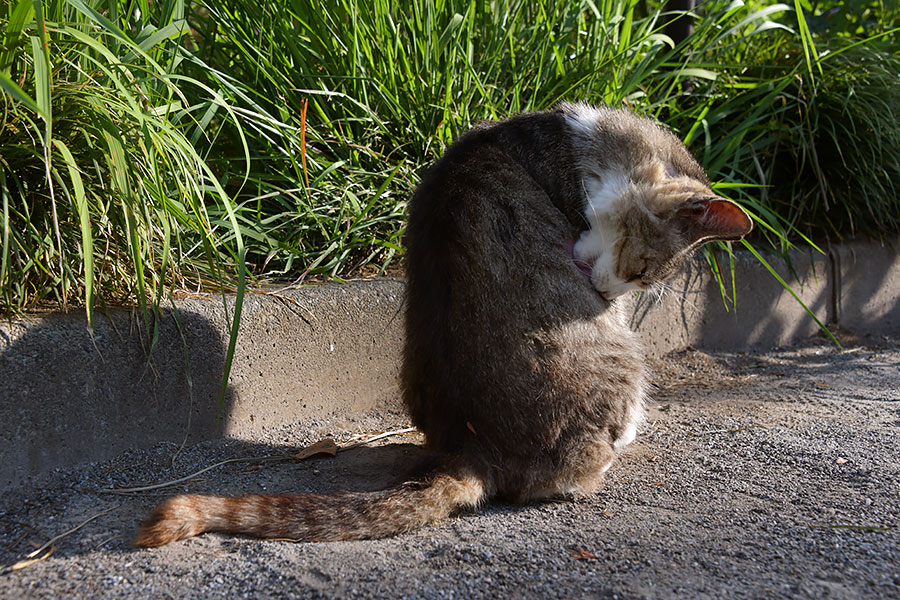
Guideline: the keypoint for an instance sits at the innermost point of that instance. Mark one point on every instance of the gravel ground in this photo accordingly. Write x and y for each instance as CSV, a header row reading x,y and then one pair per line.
x,y
756,475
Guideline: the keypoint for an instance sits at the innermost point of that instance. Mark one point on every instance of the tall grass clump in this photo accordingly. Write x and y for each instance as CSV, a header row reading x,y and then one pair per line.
x,y
836,171
105,197
810,118
360,96
363,95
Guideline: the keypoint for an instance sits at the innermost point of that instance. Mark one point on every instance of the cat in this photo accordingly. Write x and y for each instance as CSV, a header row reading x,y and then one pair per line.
x,y
518,364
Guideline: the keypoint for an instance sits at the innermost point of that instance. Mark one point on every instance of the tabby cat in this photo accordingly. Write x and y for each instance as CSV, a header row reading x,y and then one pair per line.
x,y
518,365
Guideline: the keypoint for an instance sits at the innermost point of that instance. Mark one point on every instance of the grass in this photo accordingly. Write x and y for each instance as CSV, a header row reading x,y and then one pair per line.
x,y
105,197
840,162
379,92
151,147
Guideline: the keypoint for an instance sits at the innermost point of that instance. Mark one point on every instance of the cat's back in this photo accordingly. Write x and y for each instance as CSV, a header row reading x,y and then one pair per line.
x,y
511,162
486,240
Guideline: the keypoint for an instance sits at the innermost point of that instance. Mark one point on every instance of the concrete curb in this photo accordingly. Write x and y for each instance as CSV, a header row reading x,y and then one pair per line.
x,y
69,396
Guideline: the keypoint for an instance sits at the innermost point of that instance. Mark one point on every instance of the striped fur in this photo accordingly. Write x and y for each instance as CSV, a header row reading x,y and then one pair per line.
x,y
313,517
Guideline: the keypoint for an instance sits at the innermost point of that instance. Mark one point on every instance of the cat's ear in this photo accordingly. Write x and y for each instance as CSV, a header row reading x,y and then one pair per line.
x,y
707,219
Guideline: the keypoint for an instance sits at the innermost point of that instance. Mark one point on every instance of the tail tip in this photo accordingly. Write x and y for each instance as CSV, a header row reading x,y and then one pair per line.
x,y
173,520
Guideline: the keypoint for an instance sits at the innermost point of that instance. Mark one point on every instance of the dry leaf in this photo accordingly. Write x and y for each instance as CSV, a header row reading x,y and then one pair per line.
x,y
471,428
654,458
326,447
840,461
581,554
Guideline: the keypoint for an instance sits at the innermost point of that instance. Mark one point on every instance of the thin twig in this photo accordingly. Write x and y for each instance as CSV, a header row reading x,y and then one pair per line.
x,y
274,457
13,545
73,530
156,486
30,557
27,563
104,542
380,436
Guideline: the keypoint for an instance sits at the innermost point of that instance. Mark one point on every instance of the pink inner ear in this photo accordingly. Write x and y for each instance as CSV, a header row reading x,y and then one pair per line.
x,y
715,219
730,218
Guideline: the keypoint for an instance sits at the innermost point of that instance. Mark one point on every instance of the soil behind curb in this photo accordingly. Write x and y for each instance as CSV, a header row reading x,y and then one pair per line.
x,y
70,395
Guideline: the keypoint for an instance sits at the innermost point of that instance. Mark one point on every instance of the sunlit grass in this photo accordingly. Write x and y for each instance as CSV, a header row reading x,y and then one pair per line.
x,y
150,147
105,197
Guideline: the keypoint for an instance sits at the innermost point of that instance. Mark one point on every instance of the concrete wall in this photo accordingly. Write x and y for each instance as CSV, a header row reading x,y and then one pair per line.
x,y
68,395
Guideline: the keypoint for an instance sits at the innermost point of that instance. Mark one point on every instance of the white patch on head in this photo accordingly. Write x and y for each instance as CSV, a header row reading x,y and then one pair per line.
x,y
583,118
595,246
603,191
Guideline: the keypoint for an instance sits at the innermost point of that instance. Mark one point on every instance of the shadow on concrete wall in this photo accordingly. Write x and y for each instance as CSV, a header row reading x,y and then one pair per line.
x,y
763,312
69,395
868,279
857,289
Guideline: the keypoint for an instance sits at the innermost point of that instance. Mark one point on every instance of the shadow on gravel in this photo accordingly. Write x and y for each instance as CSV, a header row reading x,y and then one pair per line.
x,y
36,513
776,479
72,395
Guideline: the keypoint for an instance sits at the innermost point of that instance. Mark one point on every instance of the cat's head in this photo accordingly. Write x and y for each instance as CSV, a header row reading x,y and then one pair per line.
x,y
648,203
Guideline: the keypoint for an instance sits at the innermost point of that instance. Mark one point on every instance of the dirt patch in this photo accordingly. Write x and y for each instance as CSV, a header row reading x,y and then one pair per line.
x,y
756,475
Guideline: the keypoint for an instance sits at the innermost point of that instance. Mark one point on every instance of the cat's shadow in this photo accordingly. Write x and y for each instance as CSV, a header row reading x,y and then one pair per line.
x,y
361,469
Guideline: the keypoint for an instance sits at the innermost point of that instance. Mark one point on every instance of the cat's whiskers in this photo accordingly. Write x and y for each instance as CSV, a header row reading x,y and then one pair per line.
x,y
655,292
662,289
589,206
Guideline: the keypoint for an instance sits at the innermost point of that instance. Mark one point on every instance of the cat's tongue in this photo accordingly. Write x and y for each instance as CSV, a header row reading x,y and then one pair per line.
x,y
584,267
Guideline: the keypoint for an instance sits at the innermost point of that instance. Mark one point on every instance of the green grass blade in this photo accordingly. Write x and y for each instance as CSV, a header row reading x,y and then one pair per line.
x,y
40,51
21,14
775,274
4,256
811,57
10,87
87,237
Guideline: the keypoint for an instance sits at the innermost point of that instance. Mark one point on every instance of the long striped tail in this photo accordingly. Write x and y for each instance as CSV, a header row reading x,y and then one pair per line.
x,y
314,517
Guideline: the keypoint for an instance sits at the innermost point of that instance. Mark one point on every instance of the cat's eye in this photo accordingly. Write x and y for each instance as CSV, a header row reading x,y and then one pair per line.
x,y
636,277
